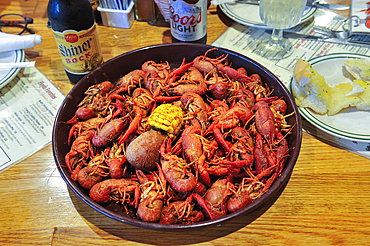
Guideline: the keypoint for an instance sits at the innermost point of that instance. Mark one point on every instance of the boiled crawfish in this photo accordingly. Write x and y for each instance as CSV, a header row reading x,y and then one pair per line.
x,y
123,191
177,171
228,148
93,104
153,193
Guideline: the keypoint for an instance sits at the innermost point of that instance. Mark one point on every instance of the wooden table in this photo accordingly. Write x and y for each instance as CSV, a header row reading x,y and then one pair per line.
x,y
326,201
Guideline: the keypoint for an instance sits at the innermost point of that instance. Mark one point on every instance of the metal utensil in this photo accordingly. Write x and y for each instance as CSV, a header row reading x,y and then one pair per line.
x,y
331,39
331,33
317,4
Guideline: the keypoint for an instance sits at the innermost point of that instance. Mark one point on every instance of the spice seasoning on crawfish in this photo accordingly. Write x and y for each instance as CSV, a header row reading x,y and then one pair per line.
x,y
204,140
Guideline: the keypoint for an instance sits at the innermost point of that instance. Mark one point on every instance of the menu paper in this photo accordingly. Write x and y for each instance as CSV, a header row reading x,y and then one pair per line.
x,y
243,39
28,106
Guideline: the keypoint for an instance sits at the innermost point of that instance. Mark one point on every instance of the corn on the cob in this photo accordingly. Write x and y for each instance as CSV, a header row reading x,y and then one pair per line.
x,y
168,118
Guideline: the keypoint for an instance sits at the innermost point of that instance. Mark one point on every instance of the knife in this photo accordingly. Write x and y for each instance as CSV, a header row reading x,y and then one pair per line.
x,y
317,4
294,35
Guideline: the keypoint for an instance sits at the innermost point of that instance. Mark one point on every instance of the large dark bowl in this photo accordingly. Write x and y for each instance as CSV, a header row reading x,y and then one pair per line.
x,y
117,67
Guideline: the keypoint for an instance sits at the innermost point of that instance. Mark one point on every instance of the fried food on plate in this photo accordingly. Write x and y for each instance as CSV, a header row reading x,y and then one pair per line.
x,y
358,68
311,90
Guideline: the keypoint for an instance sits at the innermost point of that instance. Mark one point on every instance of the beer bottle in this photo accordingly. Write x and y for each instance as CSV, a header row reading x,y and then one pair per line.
x,y
188,20
76,36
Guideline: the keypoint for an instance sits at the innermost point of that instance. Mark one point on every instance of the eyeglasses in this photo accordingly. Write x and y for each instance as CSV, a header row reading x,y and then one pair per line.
x,y
15,24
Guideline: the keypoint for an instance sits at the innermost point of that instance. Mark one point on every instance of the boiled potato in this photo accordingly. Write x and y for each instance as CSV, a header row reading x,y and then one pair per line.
x,y
143,152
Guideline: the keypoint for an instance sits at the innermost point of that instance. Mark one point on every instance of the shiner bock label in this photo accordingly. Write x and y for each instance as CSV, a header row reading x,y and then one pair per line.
x,y
188,21
80,51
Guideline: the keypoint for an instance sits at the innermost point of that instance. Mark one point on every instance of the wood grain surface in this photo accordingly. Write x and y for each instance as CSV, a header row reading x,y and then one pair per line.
x,y
325,202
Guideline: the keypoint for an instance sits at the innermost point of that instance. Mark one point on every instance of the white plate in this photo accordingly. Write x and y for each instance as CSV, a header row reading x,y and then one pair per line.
x,y
6,74
351,124
248,14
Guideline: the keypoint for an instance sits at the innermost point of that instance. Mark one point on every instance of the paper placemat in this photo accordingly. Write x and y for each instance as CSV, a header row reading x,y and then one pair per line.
x,y
28,106
243,39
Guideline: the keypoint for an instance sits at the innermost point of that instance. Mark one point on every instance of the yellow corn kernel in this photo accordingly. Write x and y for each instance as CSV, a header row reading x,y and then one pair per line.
x,y
168,118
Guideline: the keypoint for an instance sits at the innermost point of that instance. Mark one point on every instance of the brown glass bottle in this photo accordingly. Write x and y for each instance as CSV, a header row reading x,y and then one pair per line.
x,y
76,36
188,20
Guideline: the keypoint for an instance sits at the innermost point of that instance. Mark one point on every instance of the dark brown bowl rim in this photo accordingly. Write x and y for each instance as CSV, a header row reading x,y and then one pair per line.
x,y
156,226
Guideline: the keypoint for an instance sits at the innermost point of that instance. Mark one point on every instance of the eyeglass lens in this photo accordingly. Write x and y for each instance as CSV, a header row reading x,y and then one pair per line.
x,y
13,24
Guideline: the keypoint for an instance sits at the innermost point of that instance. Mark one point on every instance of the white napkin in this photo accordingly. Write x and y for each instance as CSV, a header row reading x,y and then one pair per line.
x,y
164,8
9,65
17,42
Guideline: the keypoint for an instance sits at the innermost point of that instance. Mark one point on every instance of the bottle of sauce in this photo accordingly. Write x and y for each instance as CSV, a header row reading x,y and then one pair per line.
x,y
146,10
188,20
76,36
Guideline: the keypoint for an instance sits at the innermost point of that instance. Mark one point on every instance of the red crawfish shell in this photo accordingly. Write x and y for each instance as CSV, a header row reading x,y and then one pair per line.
x,y
85,113
109,132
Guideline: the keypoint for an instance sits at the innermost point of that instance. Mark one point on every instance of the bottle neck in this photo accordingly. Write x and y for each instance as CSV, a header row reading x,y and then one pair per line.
x,y
70,15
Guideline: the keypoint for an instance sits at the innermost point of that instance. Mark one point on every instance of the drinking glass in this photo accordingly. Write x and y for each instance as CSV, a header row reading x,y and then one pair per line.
x,y
279,15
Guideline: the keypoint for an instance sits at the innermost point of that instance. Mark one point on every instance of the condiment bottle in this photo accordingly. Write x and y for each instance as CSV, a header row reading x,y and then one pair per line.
x,y
146,10
76,36
188,20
